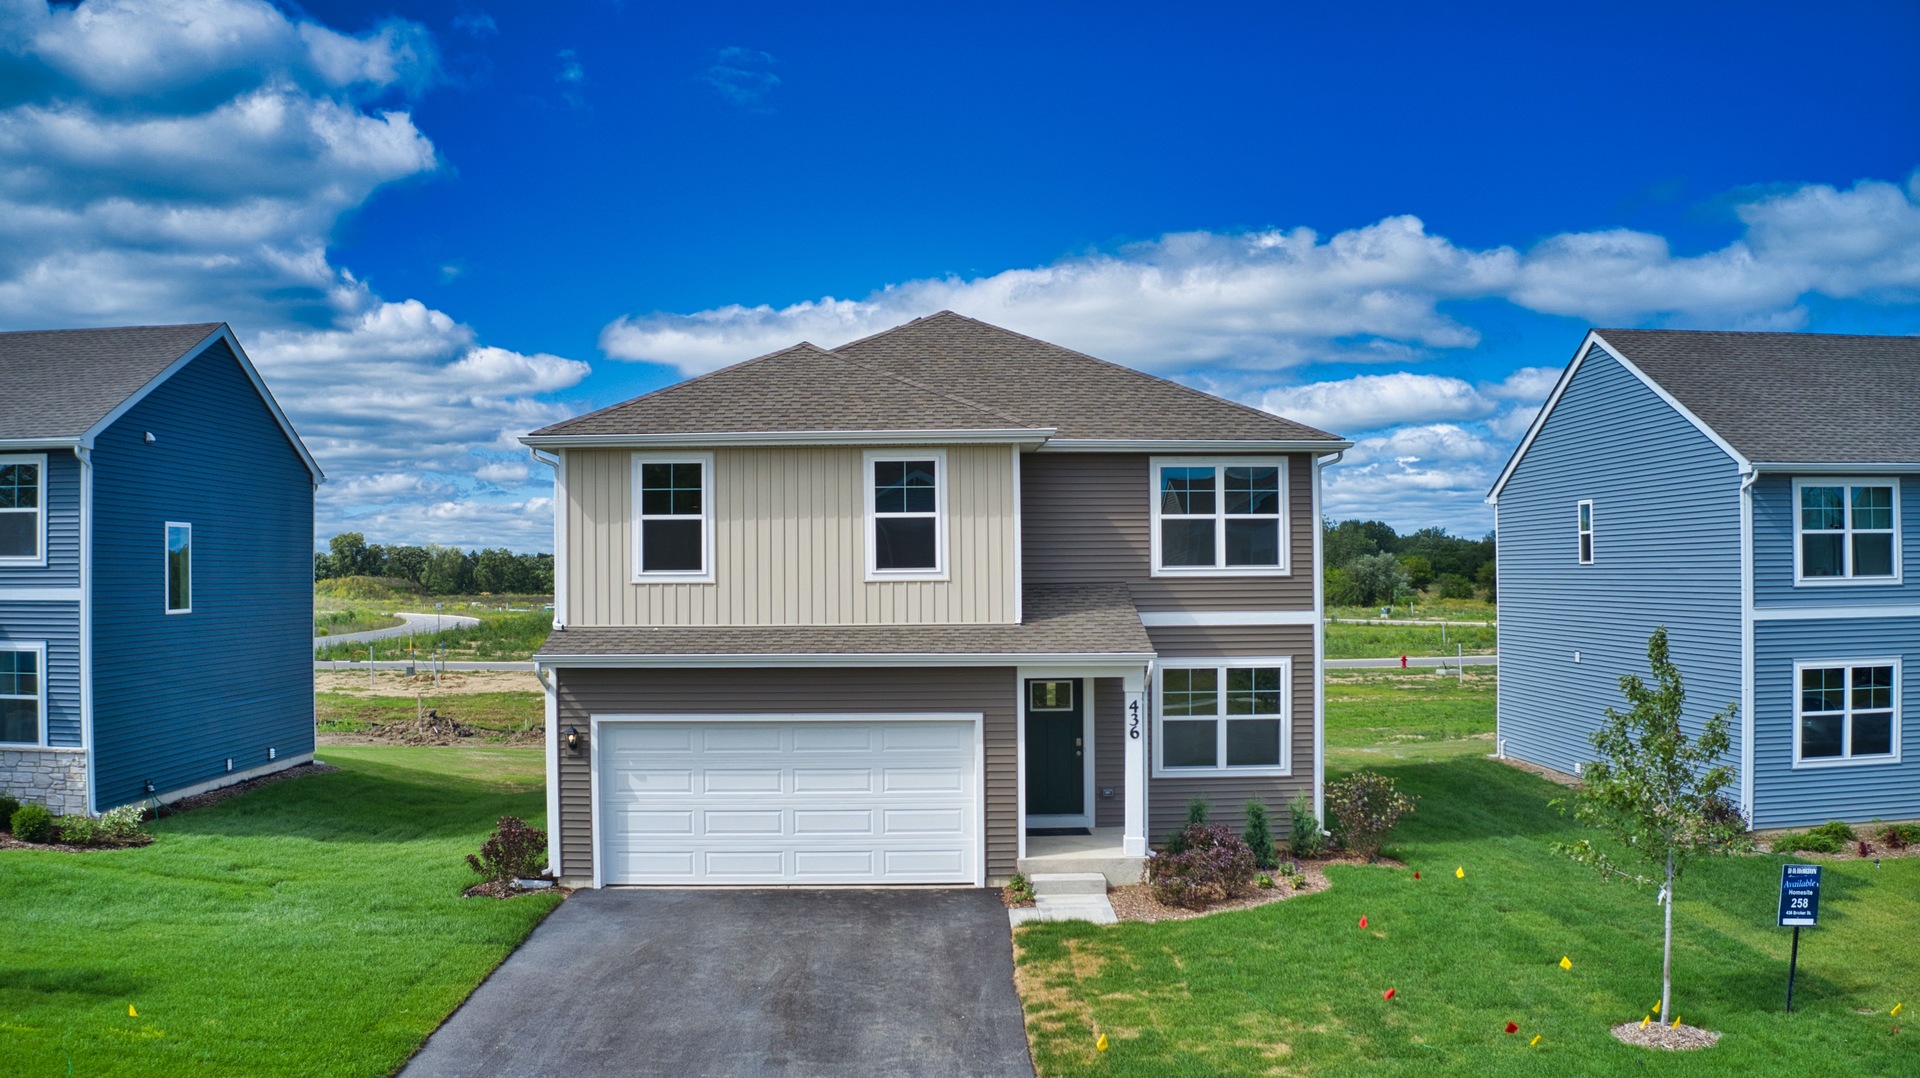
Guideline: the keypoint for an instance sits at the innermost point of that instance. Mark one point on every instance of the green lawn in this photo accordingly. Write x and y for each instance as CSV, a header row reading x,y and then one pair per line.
x,y
1426,609
506,712
350,620
1382,714
501,636
1296,987
312,927
1346,640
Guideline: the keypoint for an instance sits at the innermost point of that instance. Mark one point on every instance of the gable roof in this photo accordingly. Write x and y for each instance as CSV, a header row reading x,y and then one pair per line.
x,y
944,372
64,386
1769,398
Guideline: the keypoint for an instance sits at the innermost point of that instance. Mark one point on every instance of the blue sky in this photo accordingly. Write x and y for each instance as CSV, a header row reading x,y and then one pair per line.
x,y
438,225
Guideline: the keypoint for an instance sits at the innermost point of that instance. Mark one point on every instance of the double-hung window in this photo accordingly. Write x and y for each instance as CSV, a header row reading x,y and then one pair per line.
x,y
673,521
23,519
1223,716
1846,712
179,568
1846,530
1586,532
906,501
1219,517
23,689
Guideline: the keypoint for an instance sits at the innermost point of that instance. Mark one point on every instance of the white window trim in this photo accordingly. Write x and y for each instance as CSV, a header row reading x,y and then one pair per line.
x,y
680,576
166,567
1846,483
39,648
942,479
1584,532
38,560
1285,665
1220,465
1847,737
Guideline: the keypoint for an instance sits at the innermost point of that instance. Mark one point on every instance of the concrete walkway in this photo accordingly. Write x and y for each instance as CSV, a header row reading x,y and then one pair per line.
x,y
411,625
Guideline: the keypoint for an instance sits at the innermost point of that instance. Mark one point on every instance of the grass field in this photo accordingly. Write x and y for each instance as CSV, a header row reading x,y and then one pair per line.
x,y
1346,640
501,636
1426,610
1295,987
350,620
506,712
314,927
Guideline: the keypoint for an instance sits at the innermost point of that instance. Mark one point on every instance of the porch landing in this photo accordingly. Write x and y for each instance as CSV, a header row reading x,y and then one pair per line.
x,y
1099,852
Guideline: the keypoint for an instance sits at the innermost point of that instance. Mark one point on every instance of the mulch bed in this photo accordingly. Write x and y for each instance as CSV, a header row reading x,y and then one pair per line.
x,y
1547,773
214,797
1684,1038
8,842
435,731
1135,902
494,889
1012,903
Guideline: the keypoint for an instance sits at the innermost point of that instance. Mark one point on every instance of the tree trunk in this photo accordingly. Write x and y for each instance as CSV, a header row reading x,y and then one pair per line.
x,y
1666,963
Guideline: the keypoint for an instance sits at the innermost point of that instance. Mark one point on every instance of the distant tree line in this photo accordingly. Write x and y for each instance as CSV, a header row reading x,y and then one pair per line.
x,y
1368,563
438,570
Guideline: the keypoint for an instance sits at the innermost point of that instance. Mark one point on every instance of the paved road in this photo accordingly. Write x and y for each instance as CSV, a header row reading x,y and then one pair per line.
x,y
412,624
1418,660
685,982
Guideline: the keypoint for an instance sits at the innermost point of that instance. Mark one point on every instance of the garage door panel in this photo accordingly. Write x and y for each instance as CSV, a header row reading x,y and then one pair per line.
x,y
750,802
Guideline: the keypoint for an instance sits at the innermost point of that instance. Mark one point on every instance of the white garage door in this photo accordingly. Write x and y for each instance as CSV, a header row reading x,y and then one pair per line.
x,y
836,801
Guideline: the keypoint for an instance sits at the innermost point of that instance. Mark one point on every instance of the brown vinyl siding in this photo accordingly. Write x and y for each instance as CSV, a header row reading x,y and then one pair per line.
x,y
1087,517
1109,751
1167,797
991,691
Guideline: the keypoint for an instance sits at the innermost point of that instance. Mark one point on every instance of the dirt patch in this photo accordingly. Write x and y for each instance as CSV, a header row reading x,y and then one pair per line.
x,y
8,842
1671,1038
452,682
1012,901
433,730
214,797
1547,773
494,889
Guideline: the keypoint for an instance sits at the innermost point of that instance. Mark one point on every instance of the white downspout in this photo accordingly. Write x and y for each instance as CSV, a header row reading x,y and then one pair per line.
x,y
551,691
1319,644
85,453
1747,481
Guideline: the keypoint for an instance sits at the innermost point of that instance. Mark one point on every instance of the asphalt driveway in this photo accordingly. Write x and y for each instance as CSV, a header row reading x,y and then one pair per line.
x,y
631,981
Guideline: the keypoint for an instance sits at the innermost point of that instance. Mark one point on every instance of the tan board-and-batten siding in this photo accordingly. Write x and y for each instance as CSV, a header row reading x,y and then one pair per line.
x,y
989,691
790,543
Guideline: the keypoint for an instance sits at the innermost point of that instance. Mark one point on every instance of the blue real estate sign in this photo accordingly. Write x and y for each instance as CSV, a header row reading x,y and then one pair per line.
x,y
1799,896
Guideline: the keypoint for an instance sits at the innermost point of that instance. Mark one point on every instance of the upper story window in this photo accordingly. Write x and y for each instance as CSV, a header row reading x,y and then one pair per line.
x,y
23,516
1226,716
1586,532
1846,530
906,516
1847,713
22,692
1219,517
179,568
673,525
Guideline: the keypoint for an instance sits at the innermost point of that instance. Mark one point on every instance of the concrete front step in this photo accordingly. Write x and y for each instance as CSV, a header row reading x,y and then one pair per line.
x,y
1077,907
1067,883
1118,870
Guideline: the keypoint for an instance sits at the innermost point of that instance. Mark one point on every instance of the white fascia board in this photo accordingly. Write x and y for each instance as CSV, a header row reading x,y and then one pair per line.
x,y
1832,468
1849,612
1196,445
1116,660
1566,377
224,333
1016,436
9,445
1164,619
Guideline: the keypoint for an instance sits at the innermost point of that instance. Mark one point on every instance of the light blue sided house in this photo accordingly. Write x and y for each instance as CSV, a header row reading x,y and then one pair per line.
x,y
156,568
1759,495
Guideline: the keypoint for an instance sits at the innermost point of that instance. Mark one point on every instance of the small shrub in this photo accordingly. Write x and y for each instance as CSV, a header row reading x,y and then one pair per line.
x,y
1304,836
1259,835
1864,848
1837,829
1366,805
33,823
1263,881
8,806
1197,810
1213,865
1019,888
122,824
513,851
78,830
1898,836
1295,878
1815,841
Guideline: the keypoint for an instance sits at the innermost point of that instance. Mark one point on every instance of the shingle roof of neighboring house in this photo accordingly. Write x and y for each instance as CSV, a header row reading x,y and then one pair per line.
x,y
60,382
941,372
1812,398
1080,619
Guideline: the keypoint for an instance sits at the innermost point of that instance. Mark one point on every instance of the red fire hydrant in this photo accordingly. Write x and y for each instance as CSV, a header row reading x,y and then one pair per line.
x,y
1403,662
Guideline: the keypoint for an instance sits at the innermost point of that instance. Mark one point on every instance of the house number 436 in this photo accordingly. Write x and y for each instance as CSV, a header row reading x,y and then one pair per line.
x,y
1133,719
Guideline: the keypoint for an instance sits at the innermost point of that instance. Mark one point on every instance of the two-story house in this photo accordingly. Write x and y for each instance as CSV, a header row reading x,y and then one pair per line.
x,y
156,568
902,610
1749,491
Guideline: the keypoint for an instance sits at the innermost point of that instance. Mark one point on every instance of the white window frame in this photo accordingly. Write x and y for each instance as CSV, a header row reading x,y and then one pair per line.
x,y
166,567
1846,484
1583,529
1285,665
38,648
1846,759
1220,466
942,479
39,560
704,575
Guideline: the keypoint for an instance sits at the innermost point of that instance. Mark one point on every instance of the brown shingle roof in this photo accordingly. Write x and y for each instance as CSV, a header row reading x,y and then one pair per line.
x,y
1080,619
60,382
942,372
1790,397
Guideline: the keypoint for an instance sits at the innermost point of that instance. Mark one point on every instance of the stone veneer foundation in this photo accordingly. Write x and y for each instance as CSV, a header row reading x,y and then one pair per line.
x,y
56,778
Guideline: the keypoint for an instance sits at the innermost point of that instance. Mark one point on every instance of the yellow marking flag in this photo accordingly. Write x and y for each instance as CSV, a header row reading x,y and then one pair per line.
x,y
1896,1009
1534,1041
1676,1022
1565,962
131,1013
1644,1021
1460,873
1101,1044
1656,1005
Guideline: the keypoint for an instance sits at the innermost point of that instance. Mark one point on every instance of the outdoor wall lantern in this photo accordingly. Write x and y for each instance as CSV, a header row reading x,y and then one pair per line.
x,y
573,740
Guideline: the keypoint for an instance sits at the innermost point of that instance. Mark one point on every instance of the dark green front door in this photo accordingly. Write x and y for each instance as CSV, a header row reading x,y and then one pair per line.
x,y
1056,779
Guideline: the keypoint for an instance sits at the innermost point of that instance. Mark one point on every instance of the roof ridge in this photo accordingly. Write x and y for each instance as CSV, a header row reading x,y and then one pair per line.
x,y
1189,390
717,371
917,384
1763,333
114,329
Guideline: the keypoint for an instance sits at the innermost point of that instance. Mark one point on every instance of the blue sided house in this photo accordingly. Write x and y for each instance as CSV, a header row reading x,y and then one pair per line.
x,y
1759,495
156,568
